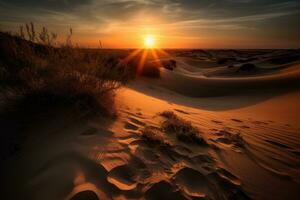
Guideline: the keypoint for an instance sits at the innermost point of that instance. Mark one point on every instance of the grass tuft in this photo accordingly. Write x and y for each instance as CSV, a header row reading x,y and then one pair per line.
x,y
168,114
44,73
41,79
153,135
233,138
183,129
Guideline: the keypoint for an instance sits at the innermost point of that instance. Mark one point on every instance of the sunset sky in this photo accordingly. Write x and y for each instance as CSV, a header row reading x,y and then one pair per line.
x,y
173,23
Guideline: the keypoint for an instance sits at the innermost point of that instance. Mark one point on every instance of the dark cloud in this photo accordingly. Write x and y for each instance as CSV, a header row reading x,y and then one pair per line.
x,y
276,19
57,5
190,9
235,8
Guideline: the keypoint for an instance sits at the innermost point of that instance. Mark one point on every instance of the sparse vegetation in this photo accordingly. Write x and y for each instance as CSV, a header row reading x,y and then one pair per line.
x,y
153,135
173,124
34,67
169,64
168,114
183,129
233,138
39,76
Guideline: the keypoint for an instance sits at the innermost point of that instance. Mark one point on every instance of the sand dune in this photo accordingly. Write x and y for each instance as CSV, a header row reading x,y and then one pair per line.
x,y
245,144
247,149
203,86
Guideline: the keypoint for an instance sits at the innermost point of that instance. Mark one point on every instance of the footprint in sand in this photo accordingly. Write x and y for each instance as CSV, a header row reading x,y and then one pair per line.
x,y
136,121
214,185
90,195
123,177
202,159
163,190
217,122
130,126
192,182
133,123
226,186
230,177
260,122
237,120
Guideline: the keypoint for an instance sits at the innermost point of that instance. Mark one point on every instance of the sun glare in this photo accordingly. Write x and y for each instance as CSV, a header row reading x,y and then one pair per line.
x,y
149,41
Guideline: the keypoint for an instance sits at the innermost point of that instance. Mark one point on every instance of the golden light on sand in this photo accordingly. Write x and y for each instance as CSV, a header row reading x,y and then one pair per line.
x,y
149,41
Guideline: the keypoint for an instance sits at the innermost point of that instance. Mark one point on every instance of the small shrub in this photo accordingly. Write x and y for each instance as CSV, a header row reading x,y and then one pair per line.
x,y
236,139
168,114
183,129
233,138
39,77
173,63
169,64
153,135
41,72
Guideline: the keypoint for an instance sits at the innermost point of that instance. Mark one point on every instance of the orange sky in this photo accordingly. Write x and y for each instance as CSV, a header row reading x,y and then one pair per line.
x,y
173,23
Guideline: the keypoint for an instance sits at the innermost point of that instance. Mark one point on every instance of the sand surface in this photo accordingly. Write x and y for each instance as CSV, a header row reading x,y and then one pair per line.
x,y
249,120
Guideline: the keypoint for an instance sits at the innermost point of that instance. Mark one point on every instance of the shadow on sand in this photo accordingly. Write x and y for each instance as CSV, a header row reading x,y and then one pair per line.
x,y
215,103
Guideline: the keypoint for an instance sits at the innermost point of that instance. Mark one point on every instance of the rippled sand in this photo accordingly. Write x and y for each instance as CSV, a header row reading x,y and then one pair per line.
x,y
250,127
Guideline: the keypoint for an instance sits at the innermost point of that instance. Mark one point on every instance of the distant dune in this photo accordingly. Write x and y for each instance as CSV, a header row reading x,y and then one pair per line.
x,y
208,78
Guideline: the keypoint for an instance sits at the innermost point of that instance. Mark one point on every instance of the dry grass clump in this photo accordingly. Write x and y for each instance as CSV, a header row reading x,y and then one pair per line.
x,y
236,139
36,68
231,138
169,64
41,79
183,129
153,135
168,114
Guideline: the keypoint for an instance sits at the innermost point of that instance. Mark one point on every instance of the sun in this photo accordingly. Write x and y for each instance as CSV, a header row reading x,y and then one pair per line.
x,y
149,41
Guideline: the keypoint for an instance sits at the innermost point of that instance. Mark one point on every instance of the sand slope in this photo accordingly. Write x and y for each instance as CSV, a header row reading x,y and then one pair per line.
x,y
251,128
200,85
